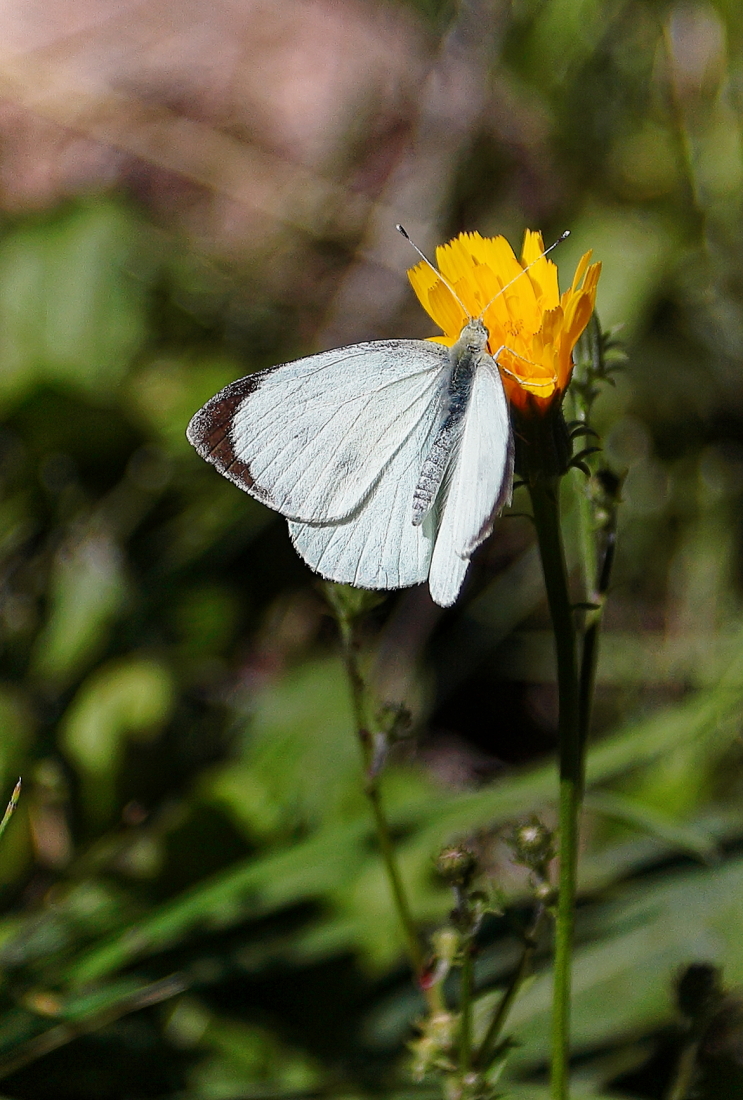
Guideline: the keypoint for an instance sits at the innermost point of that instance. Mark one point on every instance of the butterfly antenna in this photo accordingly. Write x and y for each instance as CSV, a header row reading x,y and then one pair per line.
x,y
437,273
560,239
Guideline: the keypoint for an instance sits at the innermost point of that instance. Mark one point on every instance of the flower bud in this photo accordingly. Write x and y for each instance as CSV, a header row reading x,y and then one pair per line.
x,y
457,865
532,845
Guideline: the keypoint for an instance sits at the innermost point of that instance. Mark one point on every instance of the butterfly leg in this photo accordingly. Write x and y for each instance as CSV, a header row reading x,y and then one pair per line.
x,y
550,384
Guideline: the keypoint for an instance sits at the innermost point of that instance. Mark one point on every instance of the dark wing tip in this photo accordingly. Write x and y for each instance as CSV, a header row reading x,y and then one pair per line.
x,y
209,431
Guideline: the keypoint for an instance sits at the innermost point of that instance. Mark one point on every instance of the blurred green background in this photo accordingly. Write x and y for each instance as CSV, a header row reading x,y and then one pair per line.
x,y
192,906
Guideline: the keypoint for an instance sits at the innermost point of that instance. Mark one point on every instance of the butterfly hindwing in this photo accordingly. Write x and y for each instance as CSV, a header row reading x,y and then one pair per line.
x,y
378,546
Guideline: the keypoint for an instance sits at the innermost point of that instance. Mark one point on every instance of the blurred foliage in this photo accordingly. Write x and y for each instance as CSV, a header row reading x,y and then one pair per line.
x,y
192,901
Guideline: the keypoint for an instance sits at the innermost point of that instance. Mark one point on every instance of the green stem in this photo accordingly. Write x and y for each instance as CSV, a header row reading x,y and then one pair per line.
x,y
589,661
465,1009
545,503
10,808
395,879
361,707
592,622
487,1046
685,1072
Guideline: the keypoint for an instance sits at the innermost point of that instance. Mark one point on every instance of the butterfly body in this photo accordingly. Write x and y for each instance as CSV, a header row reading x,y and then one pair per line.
x,y
389,459
464,358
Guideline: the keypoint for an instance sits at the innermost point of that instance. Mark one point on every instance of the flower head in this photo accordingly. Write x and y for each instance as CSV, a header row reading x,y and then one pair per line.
x,y
532,329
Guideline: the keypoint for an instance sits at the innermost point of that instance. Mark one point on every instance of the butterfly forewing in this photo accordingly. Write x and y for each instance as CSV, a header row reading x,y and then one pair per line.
x,y
311,438
338,443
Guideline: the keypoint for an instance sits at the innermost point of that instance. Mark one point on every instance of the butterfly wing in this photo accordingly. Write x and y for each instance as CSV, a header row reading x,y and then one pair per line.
x,y
377,545
479,483
311,438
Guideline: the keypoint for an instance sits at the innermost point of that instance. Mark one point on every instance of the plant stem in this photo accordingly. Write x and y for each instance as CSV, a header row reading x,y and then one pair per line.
x,y
487,1046
465,1009
361,708
683,1078
395,880
10,808
545,503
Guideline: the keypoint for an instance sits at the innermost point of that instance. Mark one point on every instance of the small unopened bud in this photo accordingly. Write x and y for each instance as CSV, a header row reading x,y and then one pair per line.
x,y
532,844
457,865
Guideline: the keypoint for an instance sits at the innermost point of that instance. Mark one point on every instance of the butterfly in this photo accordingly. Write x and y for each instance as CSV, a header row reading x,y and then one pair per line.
x,y
390,459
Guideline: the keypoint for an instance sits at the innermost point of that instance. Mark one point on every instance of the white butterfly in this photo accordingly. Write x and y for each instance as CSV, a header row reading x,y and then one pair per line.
x,y
390,459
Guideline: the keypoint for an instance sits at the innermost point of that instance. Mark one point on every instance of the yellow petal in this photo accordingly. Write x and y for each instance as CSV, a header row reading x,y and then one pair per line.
x,y
542,273
543,277
590,283
436,299
517,307
498,255
422,279
455,259
577,316
563,366
581,269
552,325
445,310
467,292
486,286
533,246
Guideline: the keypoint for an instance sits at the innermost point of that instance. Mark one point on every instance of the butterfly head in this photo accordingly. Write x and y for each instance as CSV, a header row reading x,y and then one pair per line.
x,y
474,335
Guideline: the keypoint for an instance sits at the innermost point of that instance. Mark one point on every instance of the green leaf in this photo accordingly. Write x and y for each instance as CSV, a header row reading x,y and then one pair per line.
x,y
330,863
86,593
70,309
253,888
128,698
624,975
686,838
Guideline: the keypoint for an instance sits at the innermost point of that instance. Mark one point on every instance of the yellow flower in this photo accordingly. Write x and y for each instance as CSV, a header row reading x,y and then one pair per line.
x,y
533,330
